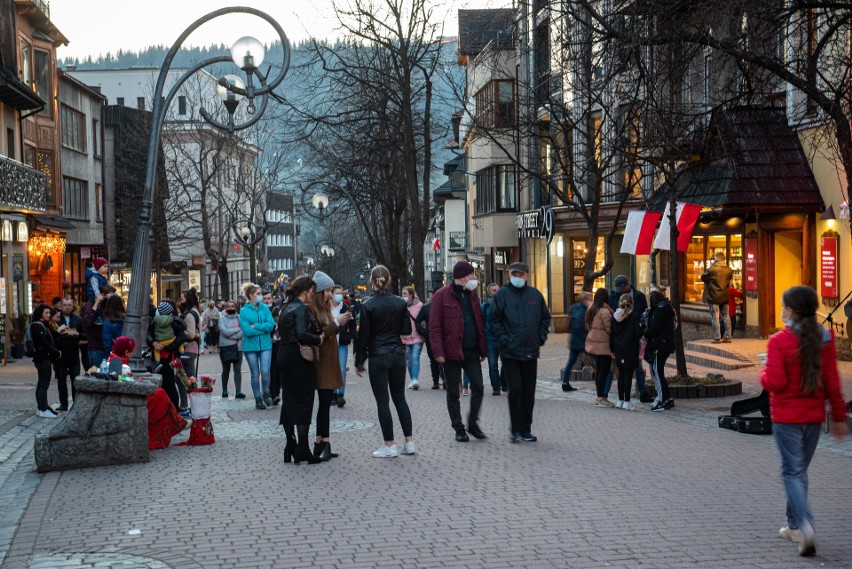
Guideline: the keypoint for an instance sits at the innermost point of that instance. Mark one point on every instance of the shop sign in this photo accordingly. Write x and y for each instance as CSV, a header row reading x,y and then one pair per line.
x,y
828,266
579,266
536,224
2,295
194,278
499,257
458,241
750,264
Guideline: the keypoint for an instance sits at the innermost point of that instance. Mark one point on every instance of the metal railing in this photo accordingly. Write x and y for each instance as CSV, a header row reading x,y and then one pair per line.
x,y
21,187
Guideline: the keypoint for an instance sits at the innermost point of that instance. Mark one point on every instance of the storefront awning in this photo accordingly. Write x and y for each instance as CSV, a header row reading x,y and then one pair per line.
x,y
45,222
752,160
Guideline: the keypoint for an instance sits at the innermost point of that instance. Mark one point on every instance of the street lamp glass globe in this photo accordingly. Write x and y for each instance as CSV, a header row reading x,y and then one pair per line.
x,y
224,93
248,53
320,200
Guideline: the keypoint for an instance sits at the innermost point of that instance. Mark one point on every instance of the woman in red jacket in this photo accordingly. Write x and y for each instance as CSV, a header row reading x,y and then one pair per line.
x,y
800,374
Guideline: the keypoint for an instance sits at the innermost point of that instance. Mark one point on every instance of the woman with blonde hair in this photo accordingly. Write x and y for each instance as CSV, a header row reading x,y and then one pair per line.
x,y
257,324
327,374
625,336
384,321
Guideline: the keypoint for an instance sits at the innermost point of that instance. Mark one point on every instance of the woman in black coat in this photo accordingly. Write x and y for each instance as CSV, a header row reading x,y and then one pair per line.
x,y
45,354
660,335
297,327
624,340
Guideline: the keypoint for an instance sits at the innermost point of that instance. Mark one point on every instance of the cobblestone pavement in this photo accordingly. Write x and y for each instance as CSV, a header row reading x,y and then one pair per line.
x,y
601,488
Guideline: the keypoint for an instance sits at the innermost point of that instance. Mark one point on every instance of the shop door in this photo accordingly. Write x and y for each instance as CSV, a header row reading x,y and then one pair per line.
x,y
788,267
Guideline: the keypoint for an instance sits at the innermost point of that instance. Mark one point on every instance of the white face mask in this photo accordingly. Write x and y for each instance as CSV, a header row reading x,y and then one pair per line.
x,y
472,284
259,299
517,282
338,298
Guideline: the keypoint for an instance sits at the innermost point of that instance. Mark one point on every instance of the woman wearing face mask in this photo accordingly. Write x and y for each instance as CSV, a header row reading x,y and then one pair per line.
x,y
327,369
627,330
801,375
257,324
413,342
231,348
297,327
345,337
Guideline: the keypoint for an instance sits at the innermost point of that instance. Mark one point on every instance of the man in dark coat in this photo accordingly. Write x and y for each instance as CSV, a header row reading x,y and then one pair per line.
x,y
457,337
69,344
717,281
520,320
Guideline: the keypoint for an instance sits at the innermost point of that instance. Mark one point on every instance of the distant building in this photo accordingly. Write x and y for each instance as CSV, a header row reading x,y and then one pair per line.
x,y
280,234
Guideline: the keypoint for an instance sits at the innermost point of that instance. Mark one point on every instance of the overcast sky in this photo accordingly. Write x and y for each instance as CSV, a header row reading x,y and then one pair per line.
x,y
95,27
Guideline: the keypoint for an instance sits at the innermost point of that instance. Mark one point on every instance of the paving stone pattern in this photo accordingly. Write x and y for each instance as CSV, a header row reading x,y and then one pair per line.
x,y
601,488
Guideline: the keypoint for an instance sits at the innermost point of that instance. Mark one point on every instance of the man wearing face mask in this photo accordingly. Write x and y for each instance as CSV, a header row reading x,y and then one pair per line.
x,y
520,320
457,338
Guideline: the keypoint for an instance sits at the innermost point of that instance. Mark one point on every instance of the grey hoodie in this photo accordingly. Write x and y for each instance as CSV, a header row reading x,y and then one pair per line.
x,y
230,332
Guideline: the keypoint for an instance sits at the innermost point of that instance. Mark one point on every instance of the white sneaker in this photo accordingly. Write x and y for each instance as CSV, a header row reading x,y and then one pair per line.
x,y
409,448
626,406
794,535
414,385
620,404
386,451
46,414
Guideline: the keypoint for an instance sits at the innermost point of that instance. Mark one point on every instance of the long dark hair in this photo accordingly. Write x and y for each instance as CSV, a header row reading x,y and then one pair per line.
x,y
803,303
299,285
191,299
656,298
601,299
114,308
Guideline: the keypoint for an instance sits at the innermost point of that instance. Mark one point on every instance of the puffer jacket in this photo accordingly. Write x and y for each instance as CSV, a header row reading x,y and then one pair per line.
x,y
782,378
660,330
230,332
520,321
414,337
624,339
597,341
717,280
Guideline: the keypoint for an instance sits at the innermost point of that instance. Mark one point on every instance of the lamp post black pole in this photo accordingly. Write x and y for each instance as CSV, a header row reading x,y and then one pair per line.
x,y
136,321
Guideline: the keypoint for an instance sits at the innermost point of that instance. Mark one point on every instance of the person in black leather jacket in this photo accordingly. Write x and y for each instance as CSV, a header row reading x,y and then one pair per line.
x,y
384,319
661,343
297,327
45,354
520,321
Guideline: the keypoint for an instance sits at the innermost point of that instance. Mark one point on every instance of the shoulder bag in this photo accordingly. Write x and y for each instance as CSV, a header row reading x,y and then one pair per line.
x,y
309,353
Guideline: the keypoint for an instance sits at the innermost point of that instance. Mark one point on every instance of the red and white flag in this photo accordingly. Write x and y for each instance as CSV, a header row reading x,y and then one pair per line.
x,y
639,233
687,217
436,244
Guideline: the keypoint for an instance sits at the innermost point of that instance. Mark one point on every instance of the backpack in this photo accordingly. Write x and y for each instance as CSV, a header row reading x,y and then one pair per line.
x,y
197,326
29,345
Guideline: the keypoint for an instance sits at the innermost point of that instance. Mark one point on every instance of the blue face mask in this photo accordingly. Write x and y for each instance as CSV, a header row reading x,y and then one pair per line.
x,y
517,282
338,298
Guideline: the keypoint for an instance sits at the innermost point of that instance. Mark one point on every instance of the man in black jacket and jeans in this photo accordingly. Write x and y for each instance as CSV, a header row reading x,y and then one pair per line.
x,y
69,344
520,320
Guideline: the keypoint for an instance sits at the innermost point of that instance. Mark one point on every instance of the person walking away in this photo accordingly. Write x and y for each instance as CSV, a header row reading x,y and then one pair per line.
x,y
327,369
414,341
45,354
113,321
422,325
801,375
734,294
578,333
457,335
297,328
626,334
345,337
660,335
257,324
231,349
491,343
384,321
520,320
93,323
275,338
599,325
622,286
717,282
69,344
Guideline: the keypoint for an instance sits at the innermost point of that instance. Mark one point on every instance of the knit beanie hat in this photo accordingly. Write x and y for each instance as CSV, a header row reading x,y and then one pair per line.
x,y
323,281
122,345
164,308
99,262
462,269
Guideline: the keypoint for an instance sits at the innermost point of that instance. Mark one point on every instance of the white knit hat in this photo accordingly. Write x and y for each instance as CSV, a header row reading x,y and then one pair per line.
x,y
323,281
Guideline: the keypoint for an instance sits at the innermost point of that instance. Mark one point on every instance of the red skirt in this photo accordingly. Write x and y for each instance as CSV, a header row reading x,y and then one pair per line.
x,y
164,422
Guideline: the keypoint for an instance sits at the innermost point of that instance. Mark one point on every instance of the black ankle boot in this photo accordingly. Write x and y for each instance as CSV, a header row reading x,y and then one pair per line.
x,y
324,453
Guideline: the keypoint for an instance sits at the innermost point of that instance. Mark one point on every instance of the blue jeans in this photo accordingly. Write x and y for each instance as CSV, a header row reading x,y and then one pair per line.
x,y
96,357
493,364
573,356
412,360
796,445
201,345
343,356
259,364
718,311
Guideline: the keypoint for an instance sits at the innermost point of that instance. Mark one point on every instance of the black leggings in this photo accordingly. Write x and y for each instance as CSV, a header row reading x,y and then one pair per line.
x,y
324,412
238,373
387,374
45,372
168,384
625,382
602,366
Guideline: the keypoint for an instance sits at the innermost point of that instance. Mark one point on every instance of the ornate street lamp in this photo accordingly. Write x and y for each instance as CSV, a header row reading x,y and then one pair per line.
x,y
247,54
249,234
316,202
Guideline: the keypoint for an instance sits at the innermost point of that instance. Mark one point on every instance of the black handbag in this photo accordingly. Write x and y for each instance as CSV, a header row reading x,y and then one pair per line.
x,y
308,353
229,354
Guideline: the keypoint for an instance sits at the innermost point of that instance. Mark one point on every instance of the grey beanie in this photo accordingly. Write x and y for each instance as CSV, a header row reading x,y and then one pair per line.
x,y
323,281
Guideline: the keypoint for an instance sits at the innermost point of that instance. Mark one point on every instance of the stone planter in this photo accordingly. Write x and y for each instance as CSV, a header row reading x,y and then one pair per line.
x,y
108,424
727,388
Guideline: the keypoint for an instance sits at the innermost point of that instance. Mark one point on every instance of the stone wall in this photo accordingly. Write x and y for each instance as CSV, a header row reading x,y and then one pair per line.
x,y
108,424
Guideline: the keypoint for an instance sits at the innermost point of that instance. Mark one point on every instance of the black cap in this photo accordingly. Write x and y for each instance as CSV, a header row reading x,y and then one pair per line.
x,y
517,266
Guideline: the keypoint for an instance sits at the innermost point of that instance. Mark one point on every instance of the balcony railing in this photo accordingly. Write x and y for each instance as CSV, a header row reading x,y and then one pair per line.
x,y
21,187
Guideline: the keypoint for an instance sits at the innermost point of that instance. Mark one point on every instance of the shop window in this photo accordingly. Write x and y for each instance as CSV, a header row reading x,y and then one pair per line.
x,y
701,253
557,301
579,250
43,79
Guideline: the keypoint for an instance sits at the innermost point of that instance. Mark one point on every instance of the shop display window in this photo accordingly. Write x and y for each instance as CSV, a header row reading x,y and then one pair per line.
x,y
699,256
579,250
